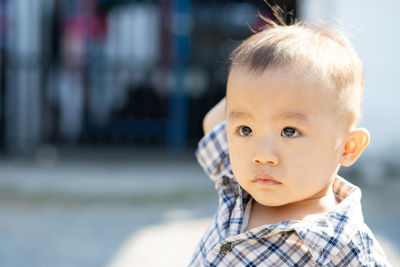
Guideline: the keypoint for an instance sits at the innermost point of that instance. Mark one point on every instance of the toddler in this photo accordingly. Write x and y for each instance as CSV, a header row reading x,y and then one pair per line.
x,y
274,147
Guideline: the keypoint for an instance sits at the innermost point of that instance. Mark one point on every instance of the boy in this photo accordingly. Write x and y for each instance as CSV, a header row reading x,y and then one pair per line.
x,y
292,105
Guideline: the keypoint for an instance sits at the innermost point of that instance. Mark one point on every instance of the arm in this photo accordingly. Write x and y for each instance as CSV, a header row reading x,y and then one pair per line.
x,y
215,116
212,152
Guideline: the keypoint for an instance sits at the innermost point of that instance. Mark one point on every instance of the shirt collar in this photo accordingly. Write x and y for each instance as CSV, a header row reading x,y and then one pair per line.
x,y
327,235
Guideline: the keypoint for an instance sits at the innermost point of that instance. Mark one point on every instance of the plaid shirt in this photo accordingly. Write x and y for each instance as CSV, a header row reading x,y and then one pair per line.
x,y
340,238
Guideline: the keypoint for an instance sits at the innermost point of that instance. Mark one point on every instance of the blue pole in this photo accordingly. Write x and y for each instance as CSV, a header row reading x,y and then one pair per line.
x,y
178,107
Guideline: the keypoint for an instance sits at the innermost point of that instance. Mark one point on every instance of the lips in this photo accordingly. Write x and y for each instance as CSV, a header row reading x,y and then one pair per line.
x,y
265,179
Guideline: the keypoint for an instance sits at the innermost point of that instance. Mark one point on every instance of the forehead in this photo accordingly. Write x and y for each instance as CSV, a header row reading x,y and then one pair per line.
x,y
289,93
303,76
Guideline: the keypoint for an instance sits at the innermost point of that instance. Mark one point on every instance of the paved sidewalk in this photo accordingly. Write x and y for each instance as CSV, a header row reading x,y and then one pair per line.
x,y
169,244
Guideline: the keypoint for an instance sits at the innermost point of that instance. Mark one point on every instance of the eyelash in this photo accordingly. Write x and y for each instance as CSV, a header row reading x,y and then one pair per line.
x,y
238,131
296,132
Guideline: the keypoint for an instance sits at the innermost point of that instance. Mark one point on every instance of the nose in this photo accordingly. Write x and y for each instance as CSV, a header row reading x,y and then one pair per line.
x,y
265,155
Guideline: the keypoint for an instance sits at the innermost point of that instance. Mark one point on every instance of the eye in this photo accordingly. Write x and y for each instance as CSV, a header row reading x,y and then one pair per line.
x,y
245,131
289,132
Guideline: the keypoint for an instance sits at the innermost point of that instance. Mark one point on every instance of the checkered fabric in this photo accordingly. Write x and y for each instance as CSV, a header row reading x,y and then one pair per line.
x,y
340,238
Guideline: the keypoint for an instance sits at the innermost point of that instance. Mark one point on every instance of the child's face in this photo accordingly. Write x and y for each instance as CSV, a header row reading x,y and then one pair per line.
x,y
284,135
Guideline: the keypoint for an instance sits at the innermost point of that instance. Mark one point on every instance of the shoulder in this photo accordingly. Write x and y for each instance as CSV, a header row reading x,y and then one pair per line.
x,y
341,237
354,245
371,251
363,249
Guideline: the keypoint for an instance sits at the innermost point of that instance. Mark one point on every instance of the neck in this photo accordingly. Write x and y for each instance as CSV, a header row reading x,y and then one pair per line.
x,y
302,210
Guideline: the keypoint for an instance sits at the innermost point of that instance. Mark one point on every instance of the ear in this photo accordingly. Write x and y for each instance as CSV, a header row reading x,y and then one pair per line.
x,y
357,141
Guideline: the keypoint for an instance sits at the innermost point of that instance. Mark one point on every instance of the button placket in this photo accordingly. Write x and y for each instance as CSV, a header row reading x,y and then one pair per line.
x,y
237,192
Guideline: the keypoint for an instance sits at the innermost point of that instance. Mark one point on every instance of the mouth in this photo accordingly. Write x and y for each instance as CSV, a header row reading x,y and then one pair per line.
x,y
265,179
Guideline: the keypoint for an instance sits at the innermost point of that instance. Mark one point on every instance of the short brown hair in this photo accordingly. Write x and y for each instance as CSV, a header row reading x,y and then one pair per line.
x,y
324,51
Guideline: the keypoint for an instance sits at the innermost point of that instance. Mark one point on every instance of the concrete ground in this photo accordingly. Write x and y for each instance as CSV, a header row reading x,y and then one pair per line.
x,y
119,207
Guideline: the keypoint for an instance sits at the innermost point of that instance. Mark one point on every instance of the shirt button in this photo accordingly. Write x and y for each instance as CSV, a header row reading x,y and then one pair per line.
x,y
225,180
237,193
225,249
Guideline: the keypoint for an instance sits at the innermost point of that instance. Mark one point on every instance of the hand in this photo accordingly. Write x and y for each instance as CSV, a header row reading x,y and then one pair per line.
x,y
214,116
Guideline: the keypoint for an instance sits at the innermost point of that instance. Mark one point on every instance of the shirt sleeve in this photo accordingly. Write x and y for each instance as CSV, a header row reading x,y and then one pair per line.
x,y
212,154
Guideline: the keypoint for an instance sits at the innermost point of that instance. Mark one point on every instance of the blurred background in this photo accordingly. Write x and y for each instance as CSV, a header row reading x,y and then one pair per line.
x,y
101,105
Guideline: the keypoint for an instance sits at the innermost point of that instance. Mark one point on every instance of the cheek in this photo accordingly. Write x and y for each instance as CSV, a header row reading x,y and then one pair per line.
x,y
308,157
239,158
317,164
330,153
236,155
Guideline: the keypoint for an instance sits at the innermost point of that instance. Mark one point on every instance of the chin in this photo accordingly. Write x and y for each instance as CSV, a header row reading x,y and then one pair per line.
x,y
269,202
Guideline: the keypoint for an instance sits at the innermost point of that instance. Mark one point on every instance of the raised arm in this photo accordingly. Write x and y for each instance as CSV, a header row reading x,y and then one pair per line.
x,y
212,152
215,116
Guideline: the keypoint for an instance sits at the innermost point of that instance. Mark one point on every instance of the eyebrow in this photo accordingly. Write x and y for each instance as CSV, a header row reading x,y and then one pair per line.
x,y
239,115
288,115
296,116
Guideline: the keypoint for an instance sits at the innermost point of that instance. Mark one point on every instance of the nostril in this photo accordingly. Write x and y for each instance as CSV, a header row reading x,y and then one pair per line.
x,y
257,161
265,162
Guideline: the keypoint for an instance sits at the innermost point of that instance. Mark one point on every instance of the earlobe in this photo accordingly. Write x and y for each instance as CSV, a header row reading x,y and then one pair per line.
x,y
357,141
